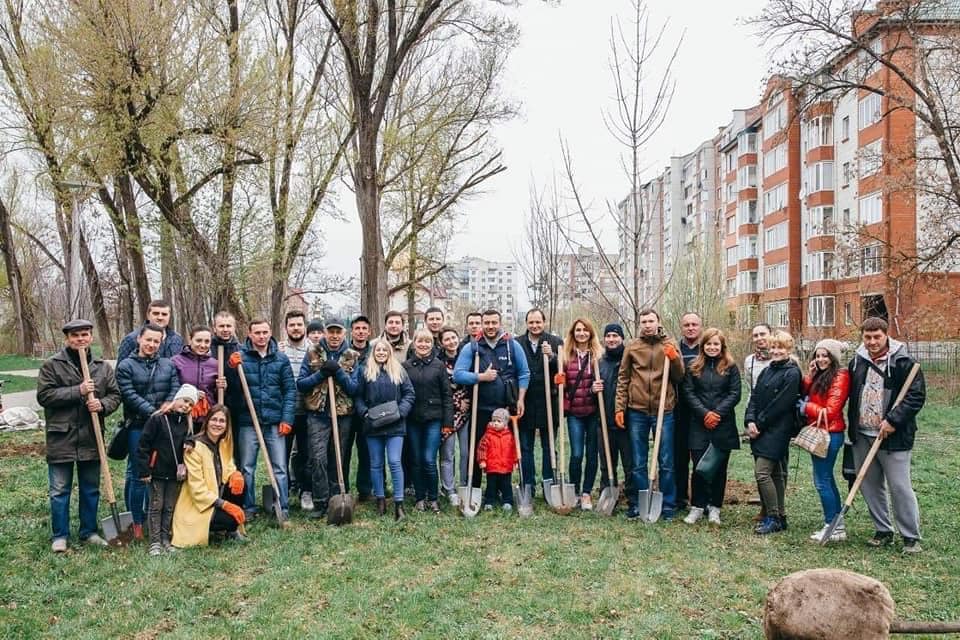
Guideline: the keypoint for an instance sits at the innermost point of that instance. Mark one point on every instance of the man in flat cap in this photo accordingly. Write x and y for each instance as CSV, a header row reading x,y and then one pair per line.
x,y
62,392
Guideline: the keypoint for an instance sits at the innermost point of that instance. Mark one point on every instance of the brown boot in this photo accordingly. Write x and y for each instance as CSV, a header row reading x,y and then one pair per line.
x,y
398,513
381,506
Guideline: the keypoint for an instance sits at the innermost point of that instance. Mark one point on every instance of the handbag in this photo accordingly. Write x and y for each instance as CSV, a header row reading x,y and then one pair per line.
x,y
181,467
813,438
118,448
383,415
710,462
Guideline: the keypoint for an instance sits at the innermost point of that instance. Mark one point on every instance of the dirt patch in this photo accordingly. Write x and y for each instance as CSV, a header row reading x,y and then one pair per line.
x,y
738,492
164,627
20,449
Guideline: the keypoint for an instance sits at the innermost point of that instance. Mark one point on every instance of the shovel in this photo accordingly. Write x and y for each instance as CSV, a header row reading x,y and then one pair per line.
x,y
470,497
551,491
273,491
521,494
219,373
650,501
117,527
609,496
340,509
871,454
568,492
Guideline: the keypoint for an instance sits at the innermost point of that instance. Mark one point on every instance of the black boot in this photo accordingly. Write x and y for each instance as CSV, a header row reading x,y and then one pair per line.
x,y
381,506
398,513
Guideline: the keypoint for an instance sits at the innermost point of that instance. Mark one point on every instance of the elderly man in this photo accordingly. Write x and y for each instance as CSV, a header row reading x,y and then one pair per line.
x,y
63,393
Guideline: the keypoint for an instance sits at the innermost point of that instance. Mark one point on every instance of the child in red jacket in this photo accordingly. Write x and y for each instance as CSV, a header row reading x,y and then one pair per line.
x,y
497,454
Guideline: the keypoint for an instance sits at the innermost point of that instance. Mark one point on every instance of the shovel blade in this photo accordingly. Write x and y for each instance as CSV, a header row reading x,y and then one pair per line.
x,y
523,498
271,502
836,522
552,498
654,505
110,532
340,509
608,501
470,500
568,495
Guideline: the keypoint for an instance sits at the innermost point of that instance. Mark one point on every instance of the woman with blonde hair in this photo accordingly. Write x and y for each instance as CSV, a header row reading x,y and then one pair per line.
x,y
580,379
384,399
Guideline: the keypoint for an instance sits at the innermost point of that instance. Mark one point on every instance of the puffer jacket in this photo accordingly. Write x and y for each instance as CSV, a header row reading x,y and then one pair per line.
x,y
383,389
641,372
773,407
145,384
172,344
156,446
431,387
198,370
578,397
833,401
712,391
609,369
312,381
69,427
497,450
507,359
272,387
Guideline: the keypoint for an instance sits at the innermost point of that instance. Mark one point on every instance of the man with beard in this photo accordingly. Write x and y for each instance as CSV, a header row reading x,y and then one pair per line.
x,y
359,342
619,438
691,328
296,347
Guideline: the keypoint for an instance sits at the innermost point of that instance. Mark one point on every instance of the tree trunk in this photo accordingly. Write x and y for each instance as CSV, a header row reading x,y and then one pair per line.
x,y
96,295
167,258
133,242
373,269
26,326
126,301
412,286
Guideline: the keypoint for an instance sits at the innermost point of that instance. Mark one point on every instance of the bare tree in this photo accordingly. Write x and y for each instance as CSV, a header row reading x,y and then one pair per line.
x,y
539,256
25,324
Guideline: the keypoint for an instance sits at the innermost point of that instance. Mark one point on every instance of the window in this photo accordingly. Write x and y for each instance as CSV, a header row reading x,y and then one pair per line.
x,y
731,161
747,177
871,259
748,247
746,143
870,158
732,256
846,218
747,282
820,266
747,212
775,237
845,175
732,224
775,159
819,132
778,313
845,128
871,208
819,177
847,313
731,287
731,192
775,276
819,222
775,120
869,110
820,311
775,198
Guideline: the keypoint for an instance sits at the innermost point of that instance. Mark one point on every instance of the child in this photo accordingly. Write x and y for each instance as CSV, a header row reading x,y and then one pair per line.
x,y
160,464
497,454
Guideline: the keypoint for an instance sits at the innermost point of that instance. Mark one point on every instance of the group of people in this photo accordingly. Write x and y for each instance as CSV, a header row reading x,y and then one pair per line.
x,y
406,405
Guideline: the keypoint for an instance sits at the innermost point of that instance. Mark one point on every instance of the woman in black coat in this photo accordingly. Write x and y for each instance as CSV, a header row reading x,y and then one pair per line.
x,y
771,420
711,388
432,410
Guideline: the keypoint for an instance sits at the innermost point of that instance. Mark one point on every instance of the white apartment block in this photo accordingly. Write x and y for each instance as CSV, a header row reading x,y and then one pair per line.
x,y
485,284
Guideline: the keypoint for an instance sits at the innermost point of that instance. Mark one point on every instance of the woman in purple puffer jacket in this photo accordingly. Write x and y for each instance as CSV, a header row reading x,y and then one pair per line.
x,y
581,381
197,366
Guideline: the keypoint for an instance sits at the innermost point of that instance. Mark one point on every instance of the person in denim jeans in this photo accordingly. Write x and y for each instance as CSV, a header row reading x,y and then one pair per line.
x,y
637,402
70,440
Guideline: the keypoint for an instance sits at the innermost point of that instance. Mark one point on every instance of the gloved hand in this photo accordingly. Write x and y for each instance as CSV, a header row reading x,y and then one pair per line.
x,y
235,483
802,406
201,408
711,420
234,512
447,430
234,360
483,465
618,419
560,379
330,366
284,429
670,351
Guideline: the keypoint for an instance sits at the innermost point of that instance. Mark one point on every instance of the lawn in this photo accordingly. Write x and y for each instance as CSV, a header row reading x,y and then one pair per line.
x,y
14,384
581,576
10,362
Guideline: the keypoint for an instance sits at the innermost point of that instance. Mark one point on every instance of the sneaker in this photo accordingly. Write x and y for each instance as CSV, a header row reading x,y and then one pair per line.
x,y
156,549
59,545
318,514
769,525
586,503
137,531
817,536
168,547
911,545
633,512
306,501
410,492
421,505
881,539
434,506
454,500
95,540
713,515
695,514
667,516
488,507
249,515
507,508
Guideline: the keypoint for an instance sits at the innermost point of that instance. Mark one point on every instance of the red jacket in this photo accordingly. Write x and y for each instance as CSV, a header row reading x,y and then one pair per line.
x,y
832,401
498,450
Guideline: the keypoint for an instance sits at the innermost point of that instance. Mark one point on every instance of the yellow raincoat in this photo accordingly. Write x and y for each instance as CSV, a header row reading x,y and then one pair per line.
x,y
198,495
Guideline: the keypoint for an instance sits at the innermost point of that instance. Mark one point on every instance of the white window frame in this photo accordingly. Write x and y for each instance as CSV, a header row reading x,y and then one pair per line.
x,y
748,247
821,311
747,282
870,208
775,198
744,214
775,276
819,177
775,159
732,253
778,313
821,265
871,259
870,158
775,237
747,177
869,109
820,221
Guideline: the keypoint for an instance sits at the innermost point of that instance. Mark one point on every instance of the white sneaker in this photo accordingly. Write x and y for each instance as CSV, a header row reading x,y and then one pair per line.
x,y
713,515
586,504
695,514
59,545
507,508
306,501
96,541
839,535
454,499
817,536
156,549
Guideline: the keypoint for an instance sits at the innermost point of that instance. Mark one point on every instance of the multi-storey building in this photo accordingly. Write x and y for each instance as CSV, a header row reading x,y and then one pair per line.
x,y
642,259
586,277
483,284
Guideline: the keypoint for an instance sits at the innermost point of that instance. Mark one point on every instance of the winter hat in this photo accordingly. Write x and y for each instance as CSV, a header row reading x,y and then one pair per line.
x,y
502,415
613,327
833,347
187,392
314,325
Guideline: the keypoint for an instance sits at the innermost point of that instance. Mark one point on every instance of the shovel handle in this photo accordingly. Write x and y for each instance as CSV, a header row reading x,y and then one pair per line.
x,y
219,372
331,407
473,429
606,436
561,393
516,440
263,445
546,391
654,469
98,433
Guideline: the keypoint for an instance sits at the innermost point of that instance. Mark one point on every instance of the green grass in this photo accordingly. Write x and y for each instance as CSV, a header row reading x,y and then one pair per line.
x,y
444,576
18,363
13,384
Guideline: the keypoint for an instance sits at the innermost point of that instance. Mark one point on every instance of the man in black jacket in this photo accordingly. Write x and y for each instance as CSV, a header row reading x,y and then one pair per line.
x,y
878,372
537,343
691,327
62,392
619,437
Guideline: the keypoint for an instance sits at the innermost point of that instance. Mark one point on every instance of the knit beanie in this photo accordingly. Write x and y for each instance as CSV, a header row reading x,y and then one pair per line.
x,y
187,392
833,347
314,325
502,415
613,327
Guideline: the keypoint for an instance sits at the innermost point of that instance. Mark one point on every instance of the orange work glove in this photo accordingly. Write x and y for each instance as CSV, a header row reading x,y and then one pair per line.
x,y
234,360
670,351
446,430
560,379
234,512
235,482
284,429
201,408
618,420
711,420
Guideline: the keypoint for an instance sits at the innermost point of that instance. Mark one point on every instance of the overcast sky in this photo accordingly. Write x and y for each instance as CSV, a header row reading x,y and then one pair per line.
x,y
560,75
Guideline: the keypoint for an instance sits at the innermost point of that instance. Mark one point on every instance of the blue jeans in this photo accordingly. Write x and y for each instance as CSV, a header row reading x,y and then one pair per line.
x,y
640,425
527,463
134,489
823,479
424,440
247,449
60,477
584,432
394,449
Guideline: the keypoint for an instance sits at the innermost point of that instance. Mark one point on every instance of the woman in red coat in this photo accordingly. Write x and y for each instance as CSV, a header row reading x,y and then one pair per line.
x,y
825,390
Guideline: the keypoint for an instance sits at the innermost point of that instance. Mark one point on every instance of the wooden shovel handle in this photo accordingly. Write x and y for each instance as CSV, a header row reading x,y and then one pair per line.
x,y
660,411
561,392
546,391
516,440
606,437
259,432
98,433
473,424
331,406
219,372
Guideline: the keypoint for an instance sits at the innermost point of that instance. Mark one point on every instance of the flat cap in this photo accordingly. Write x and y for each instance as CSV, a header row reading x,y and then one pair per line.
x,y
334,322
77,325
